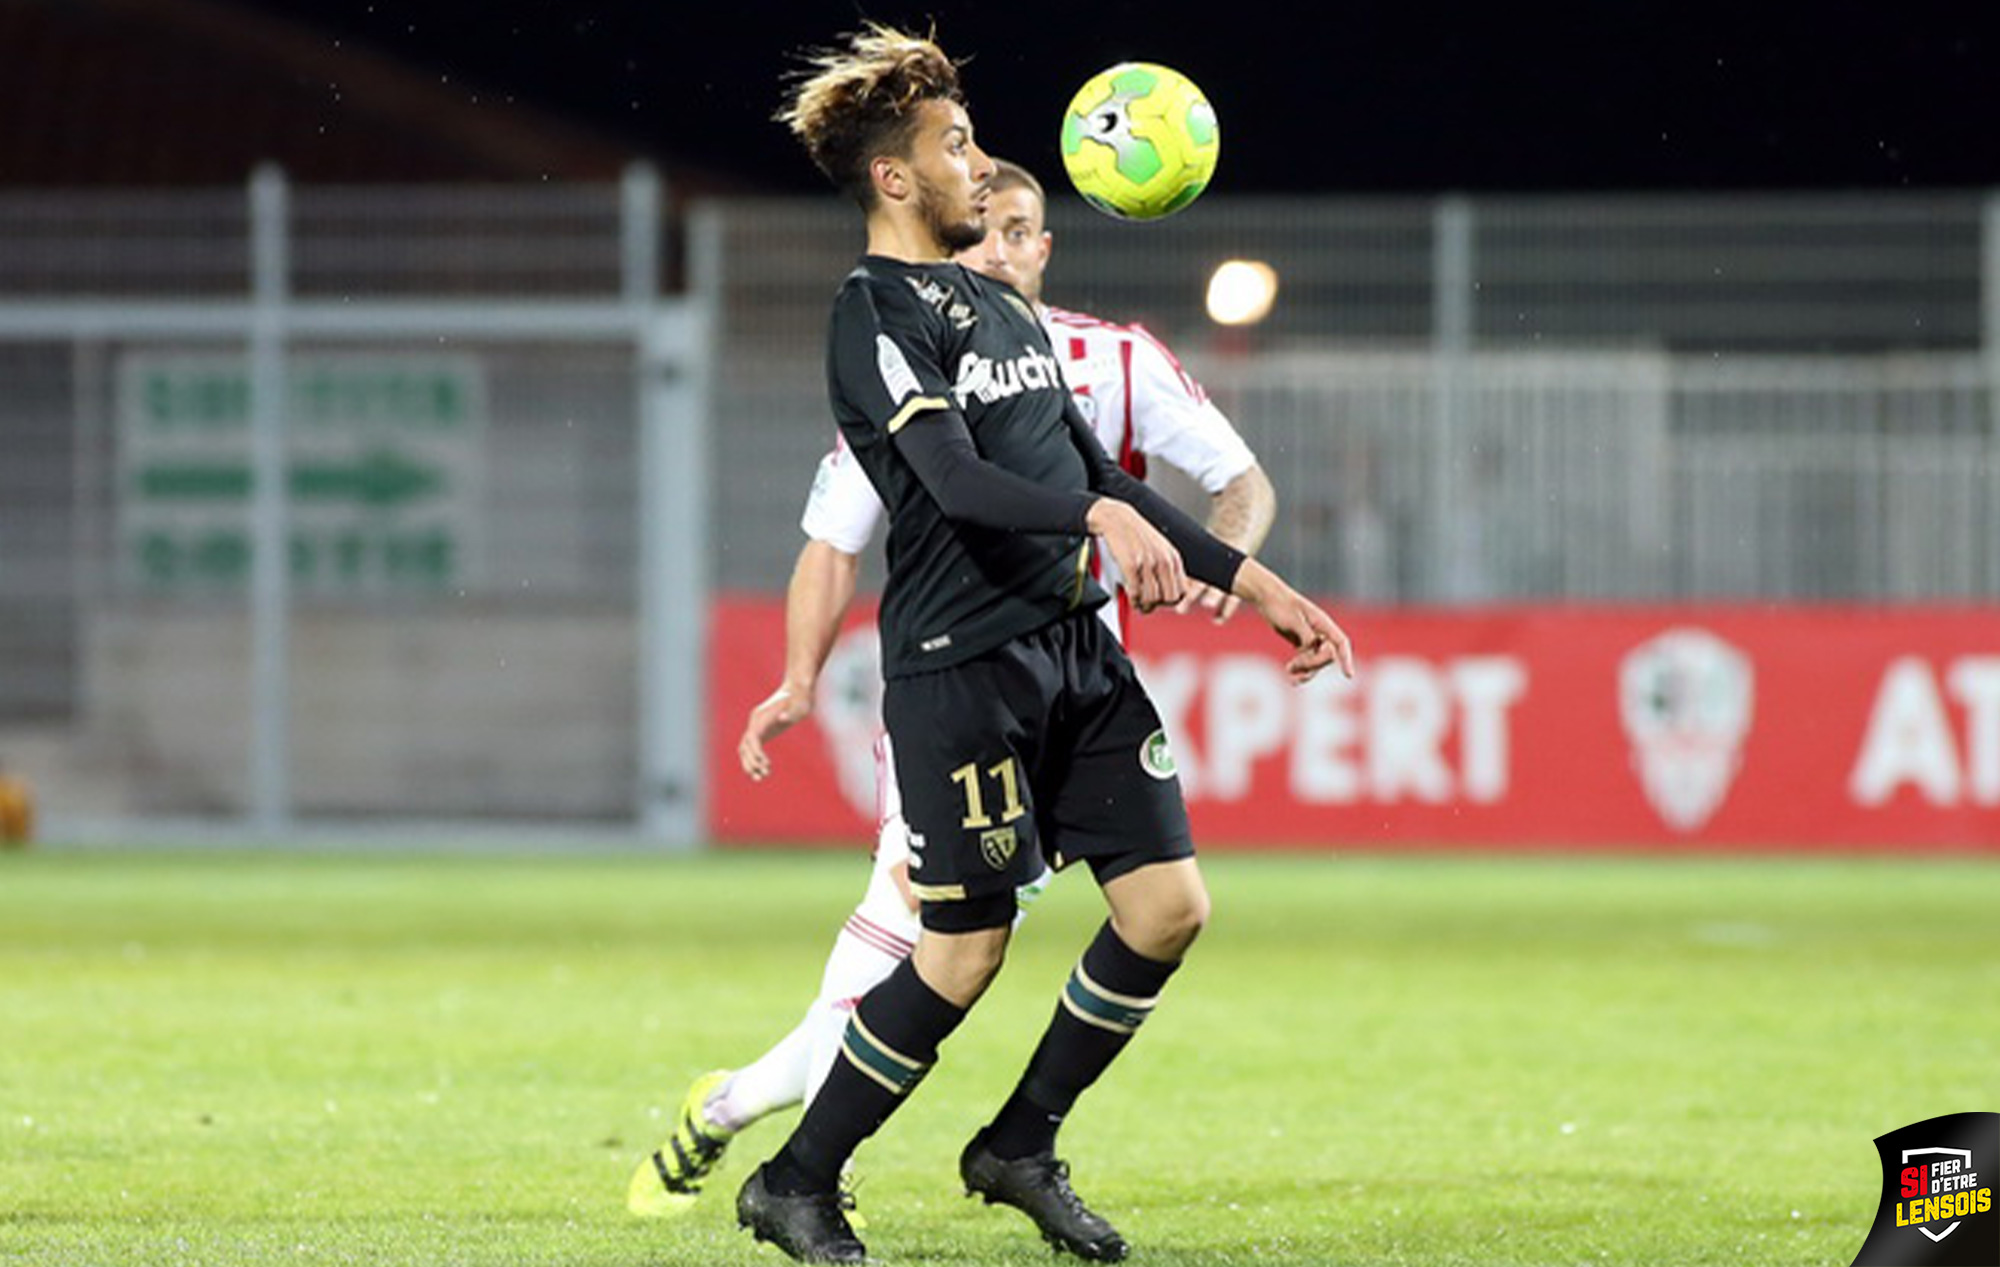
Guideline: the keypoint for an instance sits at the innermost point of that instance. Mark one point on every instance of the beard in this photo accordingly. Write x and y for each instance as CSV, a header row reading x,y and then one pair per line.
x,y
953,235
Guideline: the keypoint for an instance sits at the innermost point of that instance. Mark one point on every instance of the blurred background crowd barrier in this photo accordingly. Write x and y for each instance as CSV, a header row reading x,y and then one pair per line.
x,y
528,434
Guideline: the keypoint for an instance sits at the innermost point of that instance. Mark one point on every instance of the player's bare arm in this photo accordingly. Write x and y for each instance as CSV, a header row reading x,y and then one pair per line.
x,y
1298,620
1153,571
822,586
1319,641
1241,516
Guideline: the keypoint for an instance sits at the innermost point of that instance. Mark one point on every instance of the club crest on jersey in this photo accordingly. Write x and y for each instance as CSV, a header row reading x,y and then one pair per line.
x,y
997,847
946,301
1156,757
988,380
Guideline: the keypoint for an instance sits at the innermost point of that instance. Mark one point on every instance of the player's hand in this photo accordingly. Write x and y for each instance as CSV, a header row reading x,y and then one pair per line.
x,y
785,708
1219,603
1299,621
1152,568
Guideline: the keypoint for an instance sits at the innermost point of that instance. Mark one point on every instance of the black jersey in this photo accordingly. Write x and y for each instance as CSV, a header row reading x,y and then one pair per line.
x,y
911,341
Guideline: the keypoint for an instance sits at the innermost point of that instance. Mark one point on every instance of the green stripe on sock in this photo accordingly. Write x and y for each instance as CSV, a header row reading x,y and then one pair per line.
x,y
1114,1013
895,1071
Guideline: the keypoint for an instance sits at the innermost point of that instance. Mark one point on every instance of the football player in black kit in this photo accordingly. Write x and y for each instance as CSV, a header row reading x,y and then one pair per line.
x,y
1020,729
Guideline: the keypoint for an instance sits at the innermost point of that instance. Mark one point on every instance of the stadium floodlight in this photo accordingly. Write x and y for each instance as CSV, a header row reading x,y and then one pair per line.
x,y
1241,292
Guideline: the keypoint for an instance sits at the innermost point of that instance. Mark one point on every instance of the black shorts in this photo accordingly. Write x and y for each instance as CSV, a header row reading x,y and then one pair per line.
x,y
1044,748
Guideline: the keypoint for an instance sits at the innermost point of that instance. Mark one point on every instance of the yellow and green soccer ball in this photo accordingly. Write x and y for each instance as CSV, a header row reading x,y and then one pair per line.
x,y
1139,141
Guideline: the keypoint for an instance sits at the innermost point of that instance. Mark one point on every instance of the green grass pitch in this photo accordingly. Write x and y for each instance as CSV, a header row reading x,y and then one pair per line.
x,y
261,1058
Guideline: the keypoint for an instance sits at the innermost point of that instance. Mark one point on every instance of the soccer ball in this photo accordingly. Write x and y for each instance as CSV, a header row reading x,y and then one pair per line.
x,y
1139,141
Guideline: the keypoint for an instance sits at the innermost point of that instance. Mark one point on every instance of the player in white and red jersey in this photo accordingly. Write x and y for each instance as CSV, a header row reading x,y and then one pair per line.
x,y
1143,405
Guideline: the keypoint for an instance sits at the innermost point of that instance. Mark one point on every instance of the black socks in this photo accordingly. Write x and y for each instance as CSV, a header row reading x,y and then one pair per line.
x,y
1108,996
891,1043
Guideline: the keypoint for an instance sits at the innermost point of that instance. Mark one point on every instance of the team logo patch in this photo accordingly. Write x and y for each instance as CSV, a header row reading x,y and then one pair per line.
x,y
1937,1195
997,847
1156,757
1686,698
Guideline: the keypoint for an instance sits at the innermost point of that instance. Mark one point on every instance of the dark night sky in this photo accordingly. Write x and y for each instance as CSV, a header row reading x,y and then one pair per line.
x,y
1366,96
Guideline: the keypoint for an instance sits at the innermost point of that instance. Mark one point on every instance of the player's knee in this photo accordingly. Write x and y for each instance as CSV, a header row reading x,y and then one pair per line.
x,y
964,944
1168,925
1184,919
1199,909
960,966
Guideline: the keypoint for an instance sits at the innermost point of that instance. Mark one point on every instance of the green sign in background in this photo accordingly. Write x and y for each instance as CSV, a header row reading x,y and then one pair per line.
x,y
384,471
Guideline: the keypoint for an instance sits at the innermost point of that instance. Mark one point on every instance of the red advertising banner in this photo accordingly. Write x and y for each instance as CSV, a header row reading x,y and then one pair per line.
x,y
1531,727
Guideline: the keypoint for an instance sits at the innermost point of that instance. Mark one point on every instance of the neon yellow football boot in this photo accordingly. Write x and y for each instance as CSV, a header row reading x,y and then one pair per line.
x,y
667,1184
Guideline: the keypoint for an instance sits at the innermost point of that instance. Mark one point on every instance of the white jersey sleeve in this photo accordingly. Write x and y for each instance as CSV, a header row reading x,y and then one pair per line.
x,y
1174,420
843,509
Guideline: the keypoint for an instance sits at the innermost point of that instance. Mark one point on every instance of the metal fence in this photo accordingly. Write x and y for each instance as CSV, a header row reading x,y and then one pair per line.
x,y
509,468
334,504
1508,399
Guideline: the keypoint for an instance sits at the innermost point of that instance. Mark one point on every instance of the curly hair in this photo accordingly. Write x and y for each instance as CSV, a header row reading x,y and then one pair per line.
x,y
852,104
